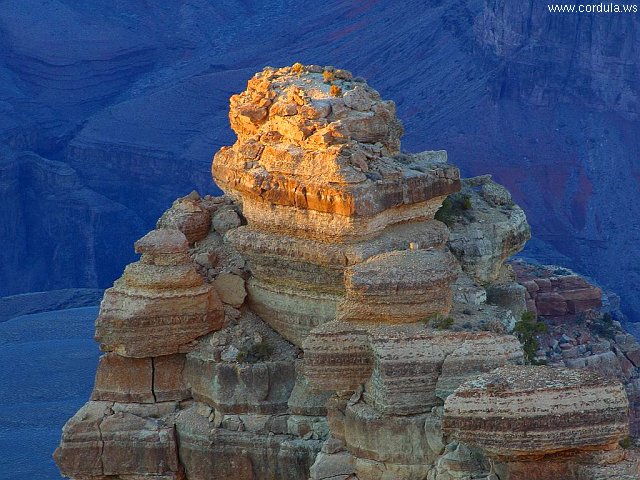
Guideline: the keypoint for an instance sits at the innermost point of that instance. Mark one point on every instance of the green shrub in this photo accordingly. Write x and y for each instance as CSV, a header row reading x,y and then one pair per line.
x,y
526,330
605,327
626,443
466,202
255,353
439,321
453,206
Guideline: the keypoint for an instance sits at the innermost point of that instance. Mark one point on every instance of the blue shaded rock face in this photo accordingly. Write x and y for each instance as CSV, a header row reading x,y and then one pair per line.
x,y
131,99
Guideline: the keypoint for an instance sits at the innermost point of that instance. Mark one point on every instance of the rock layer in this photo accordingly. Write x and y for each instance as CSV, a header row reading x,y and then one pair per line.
x,y
335,239
161,304
318,168
529,411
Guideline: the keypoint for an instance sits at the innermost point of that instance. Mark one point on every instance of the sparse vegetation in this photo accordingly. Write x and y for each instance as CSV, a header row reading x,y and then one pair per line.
x,y
466,201
328,76
452,207
439,321
626,442
297,68
527,330
255,353
335,91
604,327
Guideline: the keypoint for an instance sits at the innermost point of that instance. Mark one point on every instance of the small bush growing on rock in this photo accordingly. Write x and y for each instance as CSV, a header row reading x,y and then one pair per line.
x,y
626,443
445,212
452,207
335,91
297,68
439,321
466,201
255,353
605,327
526,330
328,76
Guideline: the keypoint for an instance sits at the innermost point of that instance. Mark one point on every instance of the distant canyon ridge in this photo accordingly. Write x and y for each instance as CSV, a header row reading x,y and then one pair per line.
x,y
109,111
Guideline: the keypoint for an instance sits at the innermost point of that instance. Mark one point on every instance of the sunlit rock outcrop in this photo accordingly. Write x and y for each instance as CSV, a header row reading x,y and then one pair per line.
x,y
334,316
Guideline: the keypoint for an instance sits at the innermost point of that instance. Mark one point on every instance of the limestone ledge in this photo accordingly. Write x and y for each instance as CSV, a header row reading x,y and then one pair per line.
x,y
406,369
528,411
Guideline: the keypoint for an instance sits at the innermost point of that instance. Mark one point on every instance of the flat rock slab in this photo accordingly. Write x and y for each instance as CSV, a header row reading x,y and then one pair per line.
x,y
526,410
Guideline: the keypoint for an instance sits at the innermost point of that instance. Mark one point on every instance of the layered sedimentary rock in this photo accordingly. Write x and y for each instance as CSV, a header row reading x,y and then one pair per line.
x,y
161,304
555,291
406,369
319,322
589,335
219,376
521,411
541,422
105,440
323,185
487,227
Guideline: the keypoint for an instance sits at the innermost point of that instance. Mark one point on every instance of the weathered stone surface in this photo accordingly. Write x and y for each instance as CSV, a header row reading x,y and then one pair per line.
x,y
484,233
330,227
460,461
374,470
523,411
555,291
300,147
155,310
416,369
230,288
97,442
399,287
511,296
226,219
390,439
269,252
408,369
337,465
187,215
291,312
234,373
122,379
208,452
162,241
337,356
168,381
306,400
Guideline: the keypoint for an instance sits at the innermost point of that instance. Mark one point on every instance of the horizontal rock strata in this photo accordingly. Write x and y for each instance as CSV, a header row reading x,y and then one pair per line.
x,y
323,186
161,304
521,411
486,228
343,313
555,291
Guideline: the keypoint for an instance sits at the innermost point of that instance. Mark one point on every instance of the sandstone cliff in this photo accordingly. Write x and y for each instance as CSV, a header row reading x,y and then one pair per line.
x,y
343,312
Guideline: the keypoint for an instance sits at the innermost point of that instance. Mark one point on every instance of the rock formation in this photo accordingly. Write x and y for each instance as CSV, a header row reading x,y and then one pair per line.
x,y
325,190
555,291
331,318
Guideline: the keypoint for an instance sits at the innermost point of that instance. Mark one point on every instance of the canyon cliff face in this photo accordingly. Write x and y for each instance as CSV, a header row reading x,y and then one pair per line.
x,y
345,311
547,103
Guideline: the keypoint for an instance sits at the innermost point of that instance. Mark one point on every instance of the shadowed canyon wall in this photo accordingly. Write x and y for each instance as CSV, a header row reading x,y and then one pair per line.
x,y
133,99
